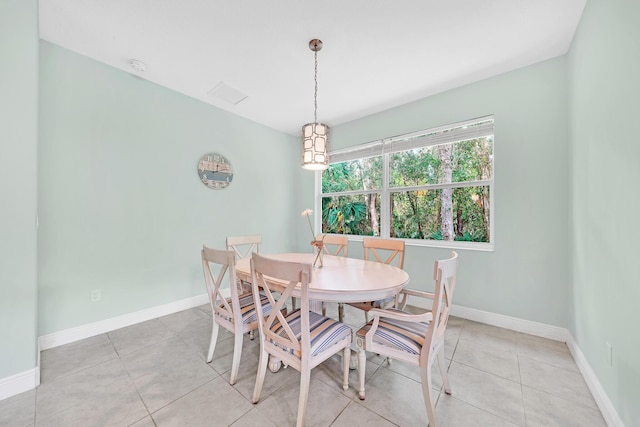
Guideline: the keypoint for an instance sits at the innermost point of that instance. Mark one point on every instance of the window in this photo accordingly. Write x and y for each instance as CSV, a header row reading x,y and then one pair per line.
x,y
432,187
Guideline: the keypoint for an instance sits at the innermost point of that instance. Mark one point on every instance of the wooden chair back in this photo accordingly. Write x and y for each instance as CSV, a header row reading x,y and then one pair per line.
x,y
334,244
243,246
216,265
391,248
444,275
287,276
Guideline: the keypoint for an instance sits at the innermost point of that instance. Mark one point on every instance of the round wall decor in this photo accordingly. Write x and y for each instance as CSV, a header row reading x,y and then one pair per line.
x,y
215,171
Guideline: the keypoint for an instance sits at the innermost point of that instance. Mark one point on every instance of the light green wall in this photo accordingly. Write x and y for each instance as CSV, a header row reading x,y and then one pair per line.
x,y
122,209
605,103
527,274
18,180
121,206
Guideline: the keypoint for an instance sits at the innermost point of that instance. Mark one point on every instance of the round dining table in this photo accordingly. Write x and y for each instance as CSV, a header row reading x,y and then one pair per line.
x,y
339,279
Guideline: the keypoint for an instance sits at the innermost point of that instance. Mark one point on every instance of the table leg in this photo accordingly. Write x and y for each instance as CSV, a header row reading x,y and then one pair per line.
x,y
315,306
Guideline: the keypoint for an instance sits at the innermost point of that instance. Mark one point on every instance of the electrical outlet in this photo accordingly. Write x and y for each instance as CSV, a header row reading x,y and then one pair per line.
x,y
610,353
96,295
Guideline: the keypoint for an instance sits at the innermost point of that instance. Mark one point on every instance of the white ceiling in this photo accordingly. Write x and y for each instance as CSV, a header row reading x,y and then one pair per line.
x,y
377,53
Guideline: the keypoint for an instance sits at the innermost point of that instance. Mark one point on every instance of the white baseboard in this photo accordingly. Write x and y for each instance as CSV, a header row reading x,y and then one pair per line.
x,y
67,336
606,407
520,325
512,323
19,383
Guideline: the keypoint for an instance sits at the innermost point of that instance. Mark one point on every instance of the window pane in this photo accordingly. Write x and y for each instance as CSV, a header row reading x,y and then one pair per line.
x,y
361,174
358,215
442,164
420,214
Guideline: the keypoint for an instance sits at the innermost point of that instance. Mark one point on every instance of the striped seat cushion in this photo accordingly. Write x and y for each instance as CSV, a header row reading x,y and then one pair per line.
x,y
248,308
398,334
324,331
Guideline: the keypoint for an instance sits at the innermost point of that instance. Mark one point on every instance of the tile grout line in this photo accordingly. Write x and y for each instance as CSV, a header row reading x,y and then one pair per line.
x,y
135,386
524,407
35,406
549,393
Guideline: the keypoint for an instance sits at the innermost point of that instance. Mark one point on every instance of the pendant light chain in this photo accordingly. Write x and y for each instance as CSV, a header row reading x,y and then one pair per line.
x,y
315,93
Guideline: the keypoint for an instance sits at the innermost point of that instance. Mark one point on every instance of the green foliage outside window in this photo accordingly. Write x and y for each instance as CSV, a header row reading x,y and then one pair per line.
x,y
433,191
347,215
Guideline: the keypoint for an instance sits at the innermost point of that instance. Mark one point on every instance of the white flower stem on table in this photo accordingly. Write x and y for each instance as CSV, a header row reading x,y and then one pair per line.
x,y
314,242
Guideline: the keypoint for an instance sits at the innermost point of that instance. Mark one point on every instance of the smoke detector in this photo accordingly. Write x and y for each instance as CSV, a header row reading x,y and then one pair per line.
x,y
137,65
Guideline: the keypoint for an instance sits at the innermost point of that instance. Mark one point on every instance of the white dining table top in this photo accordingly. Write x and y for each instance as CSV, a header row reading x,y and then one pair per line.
x,y
342,279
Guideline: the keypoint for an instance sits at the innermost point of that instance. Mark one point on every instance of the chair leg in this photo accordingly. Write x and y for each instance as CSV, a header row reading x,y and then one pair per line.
x,y
324,309
214,339
443,371
427,393
346,362
305,379
293,303
237,352
362,366
262,370
340,312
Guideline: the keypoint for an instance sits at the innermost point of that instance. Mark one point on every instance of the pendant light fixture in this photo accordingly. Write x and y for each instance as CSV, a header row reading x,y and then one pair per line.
x,y
315,136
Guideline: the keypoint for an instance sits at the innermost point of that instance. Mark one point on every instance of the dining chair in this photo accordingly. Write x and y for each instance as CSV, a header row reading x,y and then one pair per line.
x,y
389,251
417,339
336,245
230,309
333,244
243,247
301,339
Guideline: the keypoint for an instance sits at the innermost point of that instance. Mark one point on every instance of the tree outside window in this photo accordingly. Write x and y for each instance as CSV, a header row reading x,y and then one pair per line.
x,y
429,187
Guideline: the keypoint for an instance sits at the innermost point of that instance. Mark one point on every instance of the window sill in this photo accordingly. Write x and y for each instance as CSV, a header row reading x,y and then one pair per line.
x,y
456,244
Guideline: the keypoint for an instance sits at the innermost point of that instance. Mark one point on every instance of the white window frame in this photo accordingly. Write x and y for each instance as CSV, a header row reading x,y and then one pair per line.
x,y
458,132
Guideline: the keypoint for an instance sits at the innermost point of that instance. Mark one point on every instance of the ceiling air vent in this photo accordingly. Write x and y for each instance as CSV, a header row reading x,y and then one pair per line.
x,y
227,93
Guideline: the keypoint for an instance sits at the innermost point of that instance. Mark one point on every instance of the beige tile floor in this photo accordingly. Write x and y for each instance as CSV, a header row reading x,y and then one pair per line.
x,y
154,374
